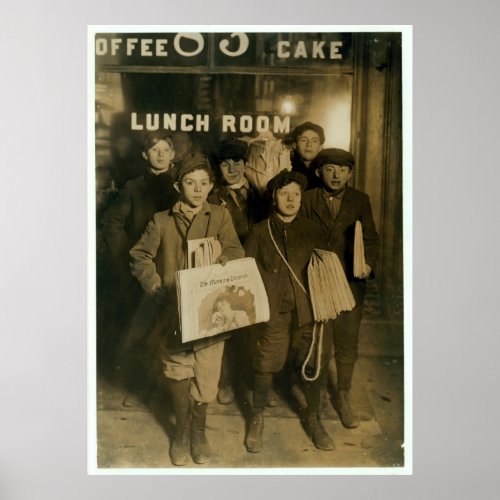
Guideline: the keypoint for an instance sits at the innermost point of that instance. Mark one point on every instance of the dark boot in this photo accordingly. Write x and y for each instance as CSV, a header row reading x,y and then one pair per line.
x,y
343,405
261,385
254,440
347,414
312,421
181,401
317,432
200,449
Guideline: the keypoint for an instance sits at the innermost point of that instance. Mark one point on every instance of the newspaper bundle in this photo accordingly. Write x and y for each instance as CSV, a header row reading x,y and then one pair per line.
x,y
215,299
267,157
328,286
360,269
203,252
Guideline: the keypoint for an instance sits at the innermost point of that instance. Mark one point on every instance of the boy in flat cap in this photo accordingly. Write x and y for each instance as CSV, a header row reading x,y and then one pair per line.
x,y
282,247
191,369
337,207
308,139
234,193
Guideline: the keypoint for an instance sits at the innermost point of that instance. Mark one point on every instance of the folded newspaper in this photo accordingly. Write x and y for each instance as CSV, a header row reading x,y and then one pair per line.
x,y
203,251
360,269
215,299
328,286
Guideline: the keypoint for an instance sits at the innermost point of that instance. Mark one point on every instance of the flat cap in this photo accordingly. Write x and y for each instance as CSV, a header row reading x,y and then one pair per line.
x,y
285,177
334,156
189,162
231,150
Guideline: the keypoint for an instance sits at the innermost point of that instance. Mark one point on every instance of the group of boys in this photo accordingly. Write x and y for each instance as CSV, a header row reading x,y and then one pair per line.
x,y
174,202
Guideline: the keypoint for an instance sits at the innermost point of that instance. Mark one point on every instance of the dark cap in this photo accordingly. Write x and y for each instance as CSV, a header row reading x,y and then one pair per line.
x,y
231,150
284,178
333,156
190,162
300,129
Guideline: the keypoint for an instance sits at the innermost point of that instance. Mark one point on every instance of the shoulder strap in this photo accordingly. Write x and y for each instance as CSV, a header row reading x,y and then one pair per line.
x,y
283,257
317,338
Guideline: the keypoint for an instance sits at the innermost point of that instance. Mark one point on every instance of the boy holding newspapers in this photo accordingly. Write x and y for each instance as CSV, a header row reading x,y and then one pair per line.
x,y
192,369
282,247
346,216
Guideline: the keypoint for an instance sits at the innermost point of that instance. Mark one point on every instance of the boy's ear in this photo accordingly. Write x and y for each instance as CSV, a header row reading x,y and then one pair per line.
x,y
176,187
144,155
317,173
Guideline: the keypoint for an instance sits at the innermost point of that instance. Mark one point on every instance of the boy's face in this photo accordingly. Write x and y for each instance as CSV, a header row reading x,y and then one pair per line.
x,y
288,199
160,155
308,145
232,171
194,188
334,177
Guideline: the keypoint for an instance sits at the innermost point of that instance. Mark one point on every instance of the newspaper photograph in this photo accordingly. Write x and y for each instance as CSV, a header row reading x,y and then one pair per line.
x,y
216,299
249,194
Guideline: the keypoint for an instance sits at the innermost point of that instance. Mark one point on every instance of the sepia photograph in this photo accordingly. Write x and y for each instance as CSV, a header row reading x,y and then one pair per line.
x,y
249,207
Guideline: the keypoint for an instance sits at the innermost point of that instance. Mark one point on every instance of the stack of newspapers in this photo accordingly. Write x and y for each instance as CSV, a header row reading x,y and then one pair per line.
x,y
203,252
360,269
214,299
330,292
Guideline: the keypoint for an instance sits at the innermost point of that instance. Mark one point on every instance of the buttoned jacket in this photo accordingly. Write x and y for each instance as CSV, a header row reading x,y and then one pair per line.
x,y
296,244
242,212
355,206
162,251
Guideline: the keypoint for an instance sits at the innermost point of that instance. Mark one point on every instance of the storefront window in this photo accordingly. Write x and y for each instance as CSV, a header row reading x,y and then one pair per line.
x,y
211,107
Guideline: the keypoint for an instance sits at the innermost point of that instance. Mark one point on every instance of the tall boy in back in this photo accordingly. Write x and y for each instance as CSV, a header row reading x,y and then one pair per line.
x,y
126,326
192,370
337,207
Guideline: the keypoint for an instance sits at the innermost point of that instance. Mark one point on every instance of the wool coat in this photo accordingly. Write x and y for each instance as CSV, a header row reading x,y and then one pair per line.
x,y
135,205
242,211
296,241
355,206
299,166
162,251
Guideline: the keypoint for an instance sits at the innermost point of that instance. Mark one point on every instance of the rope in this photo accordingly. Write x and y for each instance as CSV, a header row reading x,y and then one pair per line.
x,y
313,339
283,258
318,353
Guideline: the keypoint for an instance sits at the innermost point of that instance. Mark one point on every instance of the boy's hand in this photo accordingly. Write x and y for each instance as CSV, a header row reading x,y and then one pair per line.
x,y
155,290
222,260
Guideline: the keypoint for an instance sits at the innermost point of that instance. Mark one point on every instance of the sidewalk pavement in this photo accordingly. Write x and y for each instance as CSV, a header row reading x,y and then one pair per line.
x,y
138,437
